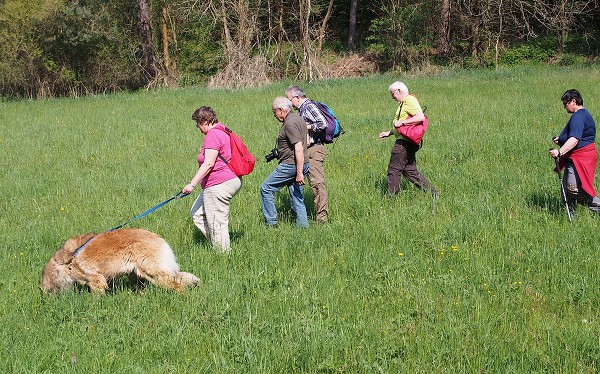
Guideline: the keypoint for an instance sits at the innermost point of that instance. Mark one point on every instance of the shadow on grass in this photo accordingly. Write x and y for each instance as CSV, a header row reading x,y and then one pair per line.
x,y
309,202
124,283
200,239
546,202
285,214
381,186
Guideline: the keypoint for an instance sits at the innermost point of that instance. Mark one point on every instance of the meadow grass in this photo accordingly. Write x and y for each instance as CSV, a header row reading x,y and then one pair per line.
x,y
489,278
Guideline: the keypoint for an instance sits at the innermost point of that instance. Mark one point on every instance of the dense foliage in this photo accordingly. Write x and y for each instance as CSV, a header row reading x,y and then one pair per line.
x,y
74,47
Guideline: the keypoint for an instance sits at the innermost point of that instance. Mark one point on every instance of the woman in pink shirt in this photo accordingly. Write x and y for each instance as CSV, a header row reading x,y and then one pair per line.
x,y
210,211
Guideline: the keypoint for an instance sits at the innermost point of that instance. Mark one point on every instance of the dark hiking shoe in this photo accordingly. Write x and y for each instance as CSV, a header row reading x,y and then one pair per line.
x,y
594,208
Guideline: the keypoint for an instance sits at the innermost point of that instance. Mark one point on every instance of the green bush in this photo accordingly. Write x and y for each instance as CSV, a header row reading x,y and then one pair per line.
x,y
535,53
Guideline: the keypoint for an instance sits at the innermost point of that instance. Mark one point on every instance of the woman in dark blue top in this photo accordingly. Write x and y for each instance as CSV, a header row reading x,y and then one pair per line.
x,y
577,153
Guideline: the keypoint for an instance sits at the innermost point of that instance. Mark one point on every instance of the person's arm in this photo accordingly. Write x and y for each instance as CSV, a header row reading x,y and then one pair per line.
x,y
299,156
385,134
210,158
419,117
315,120
565,148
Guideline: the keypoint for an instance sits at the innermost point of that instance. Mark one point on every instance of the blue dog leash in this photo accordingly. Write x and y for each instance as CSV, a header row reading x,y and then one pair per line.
x,y
178,195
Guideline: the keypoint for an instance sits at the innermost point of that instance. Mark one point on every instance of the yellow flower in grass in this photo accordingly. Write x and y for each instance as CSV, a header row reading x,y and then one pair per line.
x,y
454,248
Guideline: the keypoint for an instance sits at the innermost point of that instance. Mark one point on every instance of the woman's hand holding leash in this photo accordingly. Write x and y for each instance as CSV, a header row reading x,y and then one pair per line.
x,y
187,189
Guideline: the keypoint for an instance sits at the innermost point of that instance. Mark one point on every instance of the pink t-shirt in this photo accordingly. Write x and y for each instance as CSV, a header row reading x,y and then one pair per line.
x,y
217,140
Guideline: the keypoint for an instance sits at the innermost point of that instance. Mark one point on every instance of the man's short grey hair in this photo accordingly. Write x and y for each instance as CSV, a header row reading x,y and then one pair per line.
x,y
399,86
294,91
284,103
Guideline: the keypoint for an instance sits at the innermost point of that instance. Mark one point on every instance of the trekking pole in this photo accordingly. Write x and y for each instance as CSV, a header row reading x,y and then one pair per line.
x,y
562,190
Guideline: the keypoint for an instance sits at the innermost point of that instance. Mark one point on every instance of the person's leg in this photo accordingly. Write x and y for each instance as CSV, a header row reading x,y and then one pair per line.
x,y
297,200
570,185
316,178
217,200
283,175
412,173
395,168
199,215
576,192
594,205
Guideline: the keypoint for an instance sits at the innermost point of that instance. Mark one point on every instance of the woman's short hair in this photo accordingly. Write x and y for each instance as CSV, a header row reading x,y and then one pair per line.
x,y
281,102
205,114
570,95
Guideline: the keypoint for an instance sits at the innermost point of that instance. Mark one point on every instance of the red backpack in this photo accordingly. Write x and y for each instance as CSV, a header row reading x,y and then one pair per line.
x,y
242,162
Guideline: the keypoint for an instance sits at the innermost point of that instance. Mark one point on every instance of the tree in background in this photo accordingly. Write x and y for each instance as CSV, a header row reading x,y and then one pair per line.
x,y
245,65
56,48
352,27
559,16
149,67
444,34
24,69
74,47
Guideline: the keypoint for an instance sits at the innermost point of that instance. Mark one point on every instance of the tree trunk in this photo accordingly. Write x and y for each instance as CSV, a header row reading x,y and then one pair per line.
x,y
499,35
323,28
305,9
165,40
352,27
474,39
280,39
444,37
148,58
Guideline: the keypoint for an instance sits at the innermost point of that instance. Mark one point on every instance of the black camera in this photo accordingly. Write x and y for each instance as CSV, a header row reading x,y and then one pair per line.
x,y
273,155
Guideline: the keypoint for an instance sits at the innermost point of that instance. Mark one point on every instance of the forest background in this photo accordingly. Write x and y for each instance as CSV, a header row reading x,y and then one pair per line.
x,y
52,48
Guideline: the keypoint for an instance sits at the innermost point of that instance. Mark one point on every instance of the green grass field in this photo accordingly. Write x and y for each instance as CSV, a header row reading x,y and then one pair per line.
x,y
490,278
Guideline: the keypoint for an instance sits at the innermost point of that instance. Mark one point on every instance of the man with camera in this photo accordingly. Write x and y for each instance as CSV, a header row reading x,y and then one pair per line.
x,y
293,164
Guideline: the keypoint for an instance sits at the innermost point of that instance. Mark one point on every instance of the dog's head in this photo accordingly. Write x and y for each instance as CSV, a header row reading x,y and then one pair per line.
x,y
56,276
57,272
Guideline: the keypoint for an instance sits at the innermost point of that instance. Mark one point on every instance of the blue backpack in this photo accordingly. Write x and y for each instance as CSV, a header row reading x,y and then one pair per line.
x,y
334,128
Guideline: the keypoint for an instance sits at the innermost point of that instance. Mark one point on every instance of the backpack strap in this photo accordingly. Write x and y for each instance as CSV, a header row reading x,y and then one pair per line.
x,y
227,131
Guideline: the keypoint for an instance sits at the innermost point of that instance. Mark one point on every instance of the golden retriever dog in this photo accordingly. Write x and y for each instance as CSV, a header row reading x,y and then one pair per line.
x,y
93,260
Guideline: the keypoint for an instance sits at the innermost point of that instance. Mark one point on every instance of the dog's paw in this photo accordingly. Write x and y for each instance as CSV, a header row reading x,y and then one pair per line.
x,y
187,279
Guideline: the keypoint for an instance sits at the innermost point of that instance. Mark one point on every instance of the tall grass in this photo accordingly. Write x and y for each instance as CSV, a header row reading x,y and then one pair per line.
x,y
491,277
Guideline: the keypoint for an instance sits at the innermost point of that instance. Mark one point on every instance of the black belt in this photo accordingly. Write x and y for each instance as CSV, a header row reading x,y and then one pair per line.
x,y
406,143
